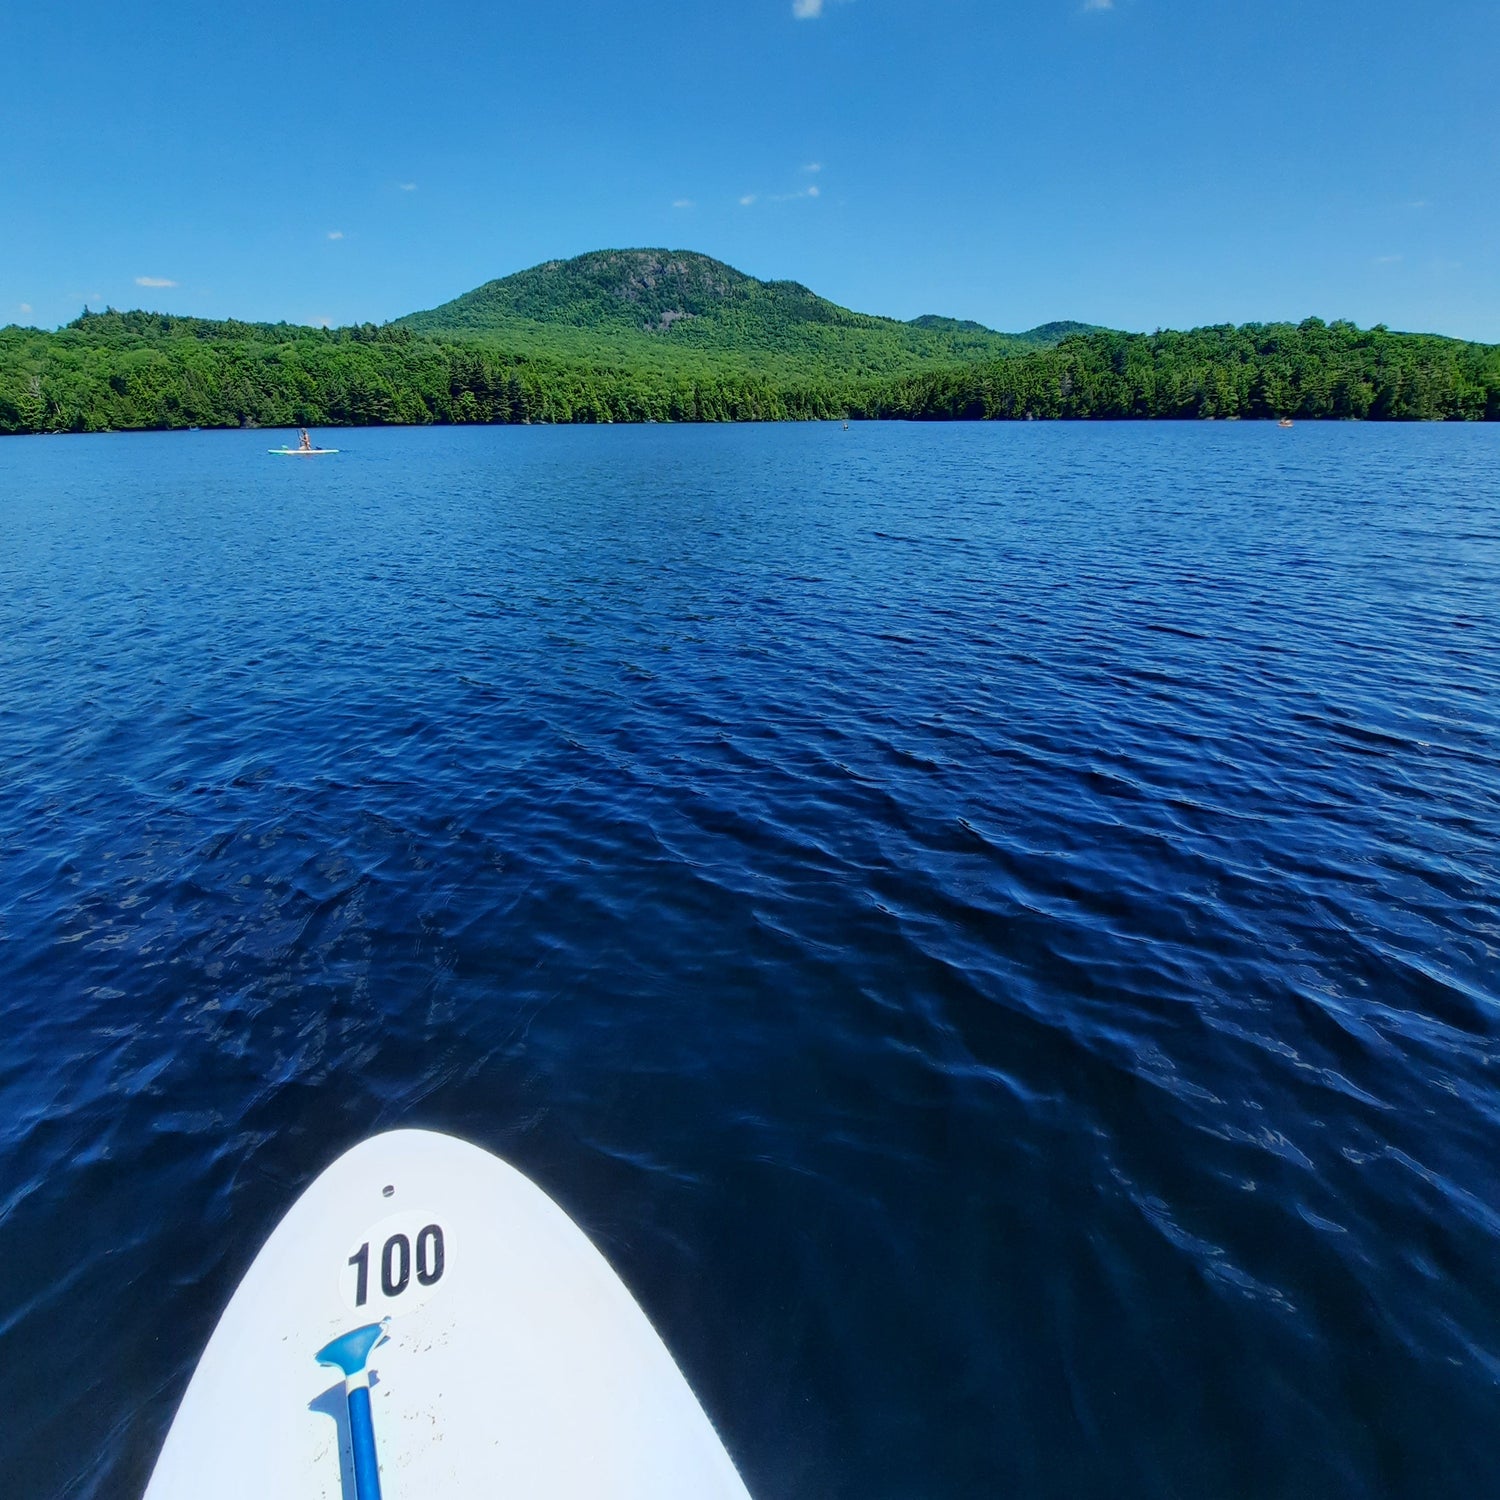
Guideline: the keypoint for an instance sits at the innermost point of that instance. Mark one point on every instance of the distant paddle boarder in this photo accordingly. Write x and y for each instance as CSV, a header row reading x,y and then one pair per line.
x,y
304,447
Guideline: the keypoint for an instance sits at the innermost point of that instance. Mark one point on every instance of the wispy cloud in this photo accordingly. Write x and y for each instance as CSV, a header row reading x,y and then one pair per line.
x,y
1387,260
335,234
812,190
407,187
25,307
807,10
1098,4
813,166
682,203
154,281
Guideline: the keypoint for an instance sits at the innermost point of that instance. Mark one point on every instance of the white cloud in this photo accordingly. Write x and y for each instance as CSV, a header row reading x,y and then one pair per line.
x,y
812,10
1098,4
812,190
335,234
25,308
813,166
1386,260
407,187
682,203
154,281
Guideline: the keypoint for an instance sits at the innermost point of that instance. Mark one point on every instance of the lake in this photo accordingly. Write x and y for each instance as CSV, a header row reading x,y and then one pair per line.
x,y
993,930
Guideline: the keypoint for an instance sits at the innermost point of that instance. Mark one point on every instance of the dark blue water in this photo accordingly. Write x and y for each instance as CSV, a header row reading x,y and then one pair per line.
x,y
993,930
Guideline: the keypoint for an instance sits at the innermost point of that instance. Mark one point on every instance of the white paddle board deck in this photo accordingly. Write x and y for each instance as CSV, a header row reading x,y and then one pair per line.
x,y
515,1362
302,452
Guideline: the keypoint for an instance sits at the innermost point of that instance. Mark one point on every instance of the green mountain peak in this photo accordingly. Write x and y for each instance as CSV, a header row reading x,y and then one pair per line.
x,y
643,291
678,308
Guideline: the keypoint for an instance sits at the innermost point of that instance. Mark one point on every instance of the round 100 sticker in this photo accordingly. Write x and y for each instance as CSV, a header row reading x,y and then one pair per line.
x,y
397,1266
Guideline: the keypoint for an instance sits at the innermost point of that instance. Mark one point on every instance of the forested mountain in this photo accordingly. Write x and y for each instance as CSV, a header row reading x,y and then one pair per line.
x,y
675,310
613,352
1042,337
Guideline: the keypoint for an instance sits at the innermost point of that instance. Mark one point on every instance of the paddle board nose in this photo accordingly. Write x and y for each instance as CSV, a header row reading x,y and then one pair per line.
x,y
512,1359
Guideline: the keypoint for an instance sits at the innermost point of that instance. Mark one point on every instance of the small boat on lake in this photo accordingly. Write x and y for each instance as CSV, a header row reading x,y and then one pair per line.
x,y
304,447
1286,422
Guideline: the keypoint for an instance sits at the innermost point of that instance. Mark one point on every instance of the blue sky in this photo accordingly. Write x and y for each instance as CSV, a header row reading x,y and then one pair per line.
x,y
1139,163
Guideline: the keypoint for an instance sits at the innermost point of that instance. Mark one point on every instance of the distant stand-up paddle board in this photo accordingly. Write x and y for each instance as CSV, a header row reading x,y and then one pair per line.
x,y
304,448
426,1324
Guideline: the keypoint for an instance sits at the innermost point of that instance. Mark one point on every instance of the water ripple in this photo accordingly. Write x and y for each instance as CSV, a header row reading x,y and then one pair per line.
x,y
994,931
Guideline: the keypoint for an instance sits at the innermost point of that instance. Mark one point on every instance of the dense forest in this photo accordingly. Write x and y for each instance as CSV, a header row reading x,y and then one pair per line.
x,y
122,371
116,371
1311,369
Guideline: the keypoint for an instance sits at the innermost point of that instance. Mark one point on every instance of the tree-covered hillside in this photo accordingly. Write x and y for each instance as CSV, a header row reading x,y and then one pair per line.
x,y
1311,369
129,371
122,371
676,310
1042,337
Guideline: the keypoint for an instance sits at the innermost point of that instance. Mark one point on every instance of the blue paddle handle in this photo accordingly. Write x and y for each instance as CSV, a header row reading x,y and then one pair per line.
x,y
362,1439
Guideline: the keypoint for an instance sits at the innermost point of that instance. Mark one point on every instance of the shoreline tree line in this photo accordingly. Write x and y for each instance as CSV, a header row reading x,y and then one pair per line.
x,y
134,371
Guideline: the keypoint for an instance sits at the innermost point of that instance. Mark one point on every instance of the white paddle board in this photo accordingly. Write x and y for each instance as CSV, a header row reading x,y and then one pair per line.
x,y
511,1360
302,452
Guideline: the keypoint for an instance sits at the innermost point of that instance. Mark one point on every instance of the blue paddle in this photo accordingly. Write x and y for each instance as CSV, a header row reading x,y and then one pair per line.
x,y
350,1352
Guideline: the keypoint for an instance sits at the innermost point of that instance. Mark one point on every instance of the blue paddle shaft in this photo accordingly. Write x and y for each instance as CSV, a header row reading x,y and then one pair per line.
x,y
362,1439
350,1352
